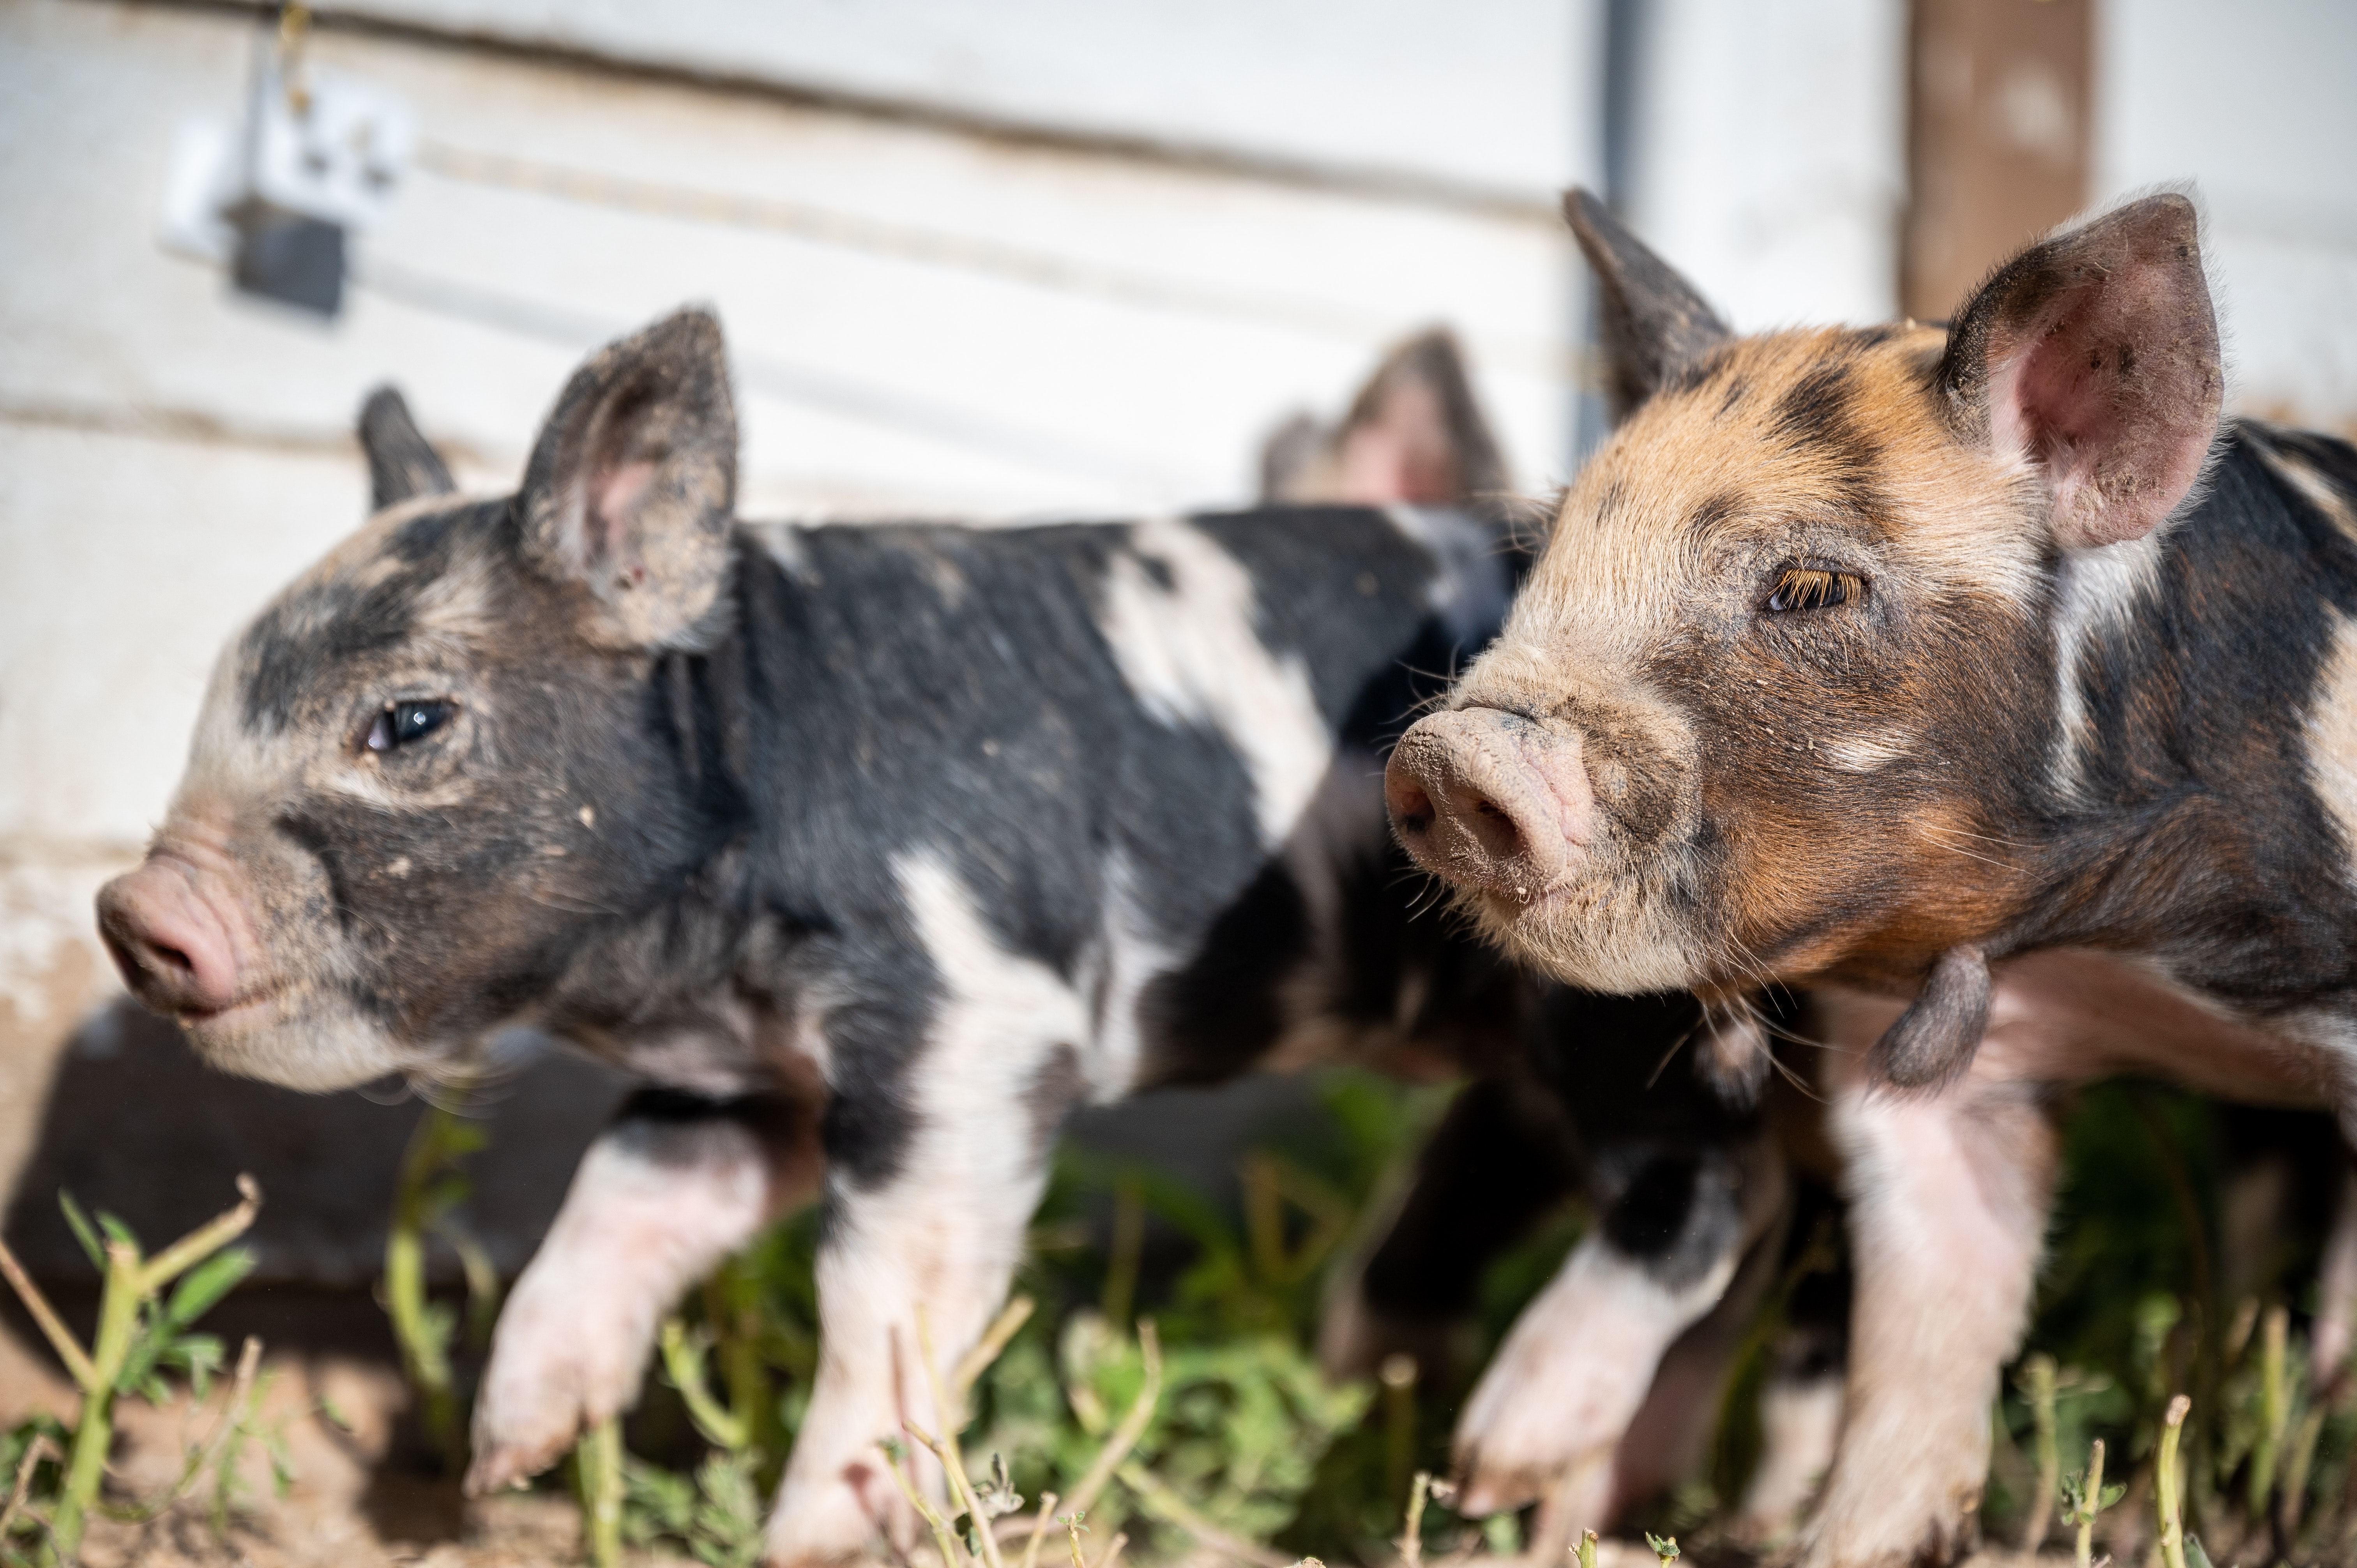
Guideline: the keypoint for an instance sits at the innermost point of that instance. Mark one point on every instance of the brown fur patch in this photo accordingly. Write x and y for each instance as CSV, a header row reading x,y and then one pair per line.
x,y
1744,601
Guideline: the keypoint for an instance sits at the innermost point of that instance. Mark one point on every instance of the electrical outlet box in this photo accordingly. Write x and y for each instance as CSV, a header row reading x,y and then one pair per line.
x,y
318,156
324,146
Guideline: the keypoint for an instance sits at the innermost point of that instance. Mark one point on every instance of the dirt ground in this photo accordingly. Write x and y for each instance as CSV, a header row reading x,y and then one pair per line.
x,y
362,1496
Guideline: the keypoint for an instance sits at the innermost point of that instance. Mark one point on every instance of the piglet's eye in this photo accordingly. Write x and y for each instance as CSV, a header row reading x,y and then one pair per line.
x,y
1809,588
402,724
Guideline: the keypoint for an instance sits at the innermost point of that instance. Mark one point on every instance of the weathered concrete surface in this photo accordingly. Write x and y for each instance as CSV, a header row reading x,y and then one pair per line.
x,y
133,1123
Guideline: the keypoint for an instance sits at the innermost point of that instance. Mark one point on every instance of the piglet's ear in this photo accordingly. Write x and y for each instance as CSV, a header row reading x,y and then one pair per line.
x,y
403,465
2095,355
1654,323
1414,433
631,490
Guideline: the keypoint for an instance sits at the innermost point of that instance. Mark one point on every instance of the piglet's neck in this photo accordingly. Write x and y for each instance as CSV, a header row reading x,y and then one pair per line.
x,y
2206,734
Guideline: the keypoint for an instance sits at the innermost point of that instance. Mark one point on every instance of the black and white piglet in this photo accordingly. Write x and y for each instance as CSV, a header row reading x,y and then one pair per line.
x,y
875,850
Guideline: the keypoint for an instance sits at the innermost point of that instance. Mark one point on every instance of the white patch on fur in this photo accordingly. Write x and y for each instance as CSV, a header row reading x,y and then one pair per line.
x,y
783,543
944,1233
1472,589
2095,591
573,1336
1001,1012
2332,733
1572,1372
1132,956
1192,654
1865,752
1800,1422
2318,490
2336,1289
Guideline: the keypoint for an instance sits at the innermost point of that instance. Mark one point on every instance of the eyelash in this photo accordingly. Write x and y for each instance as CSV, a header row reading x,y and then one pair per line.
x,y
1813,588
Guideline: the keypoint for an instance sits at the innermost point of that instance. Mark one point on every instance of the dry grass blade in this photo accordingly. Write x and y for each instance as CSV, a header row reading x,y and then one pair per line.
x,y
40,1448
960,1492
207,1454
68,1350
1411,1541
1039,1530
2165,1474
1159,1498
894,1452
1112,1552
205,1240
1133,1425
977,1361
2038,1374
945,1448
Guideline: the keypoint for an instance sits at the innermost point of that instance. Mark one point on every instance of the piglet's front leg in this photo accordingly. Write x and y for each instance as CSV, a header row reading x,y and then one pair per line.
x,y
1572,1377
674,1186
934,1170
1948,1195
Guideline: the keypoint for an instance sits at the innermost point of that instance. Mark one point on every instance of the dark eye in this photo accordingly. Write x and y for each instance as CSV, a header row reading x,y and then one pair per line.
x,y
1811,588
402,723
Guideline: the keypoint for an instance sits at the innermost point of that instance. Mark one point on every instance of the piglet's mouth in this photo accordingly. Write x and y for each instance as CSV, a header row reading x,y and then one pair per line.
x,y
246,1009
1494,801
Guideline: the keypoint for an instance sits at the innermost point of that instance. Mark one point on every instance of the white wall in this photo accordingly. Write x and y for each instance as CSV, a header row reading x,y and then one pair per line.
x,y
2257,105
1770,154
1489,97
928,315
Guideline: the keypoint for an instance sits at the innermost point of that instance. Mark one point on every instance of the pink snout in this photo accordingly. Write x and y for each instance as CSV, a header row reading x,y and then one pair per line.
x,y
172,943
1491,799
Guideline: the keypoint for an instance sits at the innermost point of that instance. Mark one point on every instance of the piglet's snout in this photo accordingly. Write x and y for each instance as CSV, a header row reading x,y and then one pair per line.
x,y
1491,799
172,943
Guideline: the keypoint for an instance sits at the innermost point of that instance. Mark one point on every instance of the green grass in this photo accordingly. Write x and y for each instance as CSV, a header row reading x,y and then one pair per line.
x,y
144,1338
1184,1401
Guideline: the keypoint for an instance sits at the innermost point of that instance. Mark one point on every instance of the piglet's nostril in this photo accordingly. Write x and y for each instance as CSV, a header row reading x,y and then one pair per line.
x,y
172,950
1491,824
1412,809
1481,797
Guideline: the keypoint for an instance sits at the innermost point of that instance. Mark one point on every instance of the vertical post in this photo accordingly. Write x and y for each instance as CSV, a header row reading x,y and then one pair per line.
x,y
1997,137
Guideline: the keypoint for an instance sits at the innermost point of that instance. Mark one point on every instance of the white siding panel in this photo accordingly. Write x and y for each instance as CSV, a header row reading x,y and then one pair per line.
x,y
872,382
1771,162
2258,107
1489,95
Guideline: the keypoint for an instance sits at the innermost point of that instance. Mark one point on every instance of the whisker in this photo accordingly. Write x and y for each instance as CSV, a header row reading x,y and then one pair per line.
x,y
1675,1047
1794,1079
1934,833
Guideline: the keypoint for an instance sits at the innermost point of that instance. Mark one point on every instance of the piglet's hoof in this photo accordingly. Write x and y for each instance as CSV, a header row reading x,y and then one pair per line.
x,y
526,1422
513,1465
555,1371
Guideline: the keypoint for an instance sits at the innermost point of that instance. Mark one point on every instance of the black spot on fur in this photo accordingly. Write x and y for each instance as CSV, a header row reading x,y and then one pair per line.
x,y
1215,1016
1816,414
675,1129
1652,1209
1712,512
301,642
1814,410
1501,1158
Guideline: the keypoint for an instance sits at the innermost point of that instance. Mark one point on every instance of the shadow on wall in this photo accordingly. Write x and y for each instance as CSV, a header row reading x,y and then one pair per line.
x,y
136,1125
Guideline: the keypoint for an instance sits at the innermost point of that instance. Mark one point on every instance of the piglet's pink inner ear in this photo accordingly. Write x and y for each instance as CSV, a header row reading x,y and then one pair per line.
x,y
631,490
2095,355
